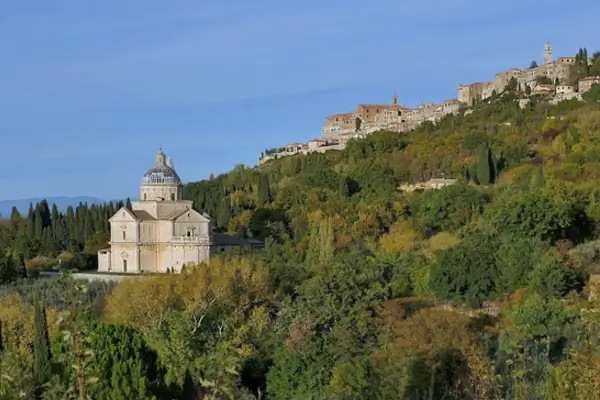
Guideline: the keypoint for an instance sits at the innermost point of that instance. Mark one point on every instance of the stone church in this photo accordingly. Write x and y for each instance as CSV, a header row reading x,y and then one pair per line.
x,y
162,232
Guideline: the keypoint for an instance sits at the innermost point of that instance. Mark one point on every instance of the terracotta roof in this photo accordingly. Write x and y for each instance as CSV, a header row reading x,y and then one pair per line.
x,y
142,215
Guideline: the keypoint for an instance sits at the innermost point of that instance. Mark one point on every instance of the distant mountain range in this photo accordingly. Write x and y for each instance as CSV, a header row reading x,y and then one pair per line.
x,y
61,202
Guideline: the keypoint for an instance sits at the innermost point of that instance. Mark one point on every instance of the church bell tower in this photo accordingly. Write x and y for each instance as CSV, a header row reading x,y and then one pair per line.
x,y
548,54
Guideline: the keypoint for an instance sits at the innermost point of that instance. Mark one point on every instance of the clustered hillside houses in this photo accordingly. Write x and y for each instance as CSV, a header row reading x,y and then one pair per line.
x,y
553,79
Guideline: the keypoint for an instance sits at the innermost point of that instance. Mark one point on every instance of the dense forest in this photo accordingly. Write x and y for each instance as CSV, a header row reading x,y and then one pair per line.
x,y
478,290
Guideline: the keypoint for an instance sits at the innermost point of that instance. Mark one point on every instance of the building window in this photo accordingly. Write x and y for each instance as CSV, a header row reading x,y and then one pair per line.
x,y
124,235
145,196
172,196
124,265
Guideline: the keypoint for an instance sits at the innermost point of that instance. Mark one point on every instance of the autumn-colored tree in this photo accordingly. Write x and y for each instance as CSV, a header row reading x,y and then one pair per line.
x,y
215,312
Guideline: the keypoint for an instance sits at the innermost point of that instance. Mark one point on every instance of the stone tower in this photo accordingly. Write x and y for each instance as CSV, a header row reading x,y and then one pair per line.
x,y
161,182
395,99
548,54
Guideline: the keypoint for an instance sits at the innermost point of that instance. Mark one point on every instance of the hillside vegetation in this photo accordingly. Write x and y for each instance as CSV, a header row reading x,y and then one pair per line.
x,y
478,290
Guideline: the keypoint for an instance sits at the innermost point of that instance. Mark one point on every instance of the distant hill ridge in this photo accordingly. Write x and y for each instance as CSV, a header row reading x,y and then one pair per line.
x,y
62,202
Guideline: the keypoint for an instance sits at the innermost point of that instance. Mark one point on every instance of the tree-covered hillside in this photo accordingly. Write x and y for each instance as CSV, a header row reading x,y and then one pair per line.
x,y
478,290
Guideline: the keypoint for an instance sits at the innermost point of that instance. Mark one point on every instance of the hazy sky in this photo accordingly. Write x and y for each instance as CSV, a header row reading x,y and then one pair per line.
x,y
90,90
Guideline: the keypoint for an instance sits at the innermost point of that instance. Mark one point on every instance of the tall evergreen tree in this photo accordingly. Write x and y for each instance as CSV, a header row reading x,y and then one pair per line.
x,y
125,367
42,362
38,223
264,191
30,223
343,189
45,213
15,219
485,166
312,254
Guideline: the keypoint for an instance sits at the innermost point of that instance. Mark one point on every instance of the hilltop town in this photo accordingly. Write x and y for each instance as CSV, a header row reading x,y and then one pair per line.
x,y
557,80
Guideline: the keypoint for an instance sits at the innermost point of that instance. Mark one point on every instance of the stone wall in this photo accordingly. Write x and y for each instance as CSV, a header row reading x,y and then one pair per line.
x,y
94,276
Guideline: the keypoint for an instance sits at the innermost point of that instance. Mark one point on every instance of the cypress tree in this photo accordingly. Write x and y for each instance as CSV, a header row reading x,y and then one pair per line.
x,y
38,223
42,364
15,218
264,191
485,167
30,223
88,226
343,189
313,252
54,216
45,213
55,222
224,213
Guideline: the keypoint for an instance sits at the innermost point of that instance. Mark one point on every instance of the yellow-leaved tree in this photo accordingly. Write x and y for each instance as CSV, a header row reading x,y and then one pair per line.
x,y
401,238
578,377
204,322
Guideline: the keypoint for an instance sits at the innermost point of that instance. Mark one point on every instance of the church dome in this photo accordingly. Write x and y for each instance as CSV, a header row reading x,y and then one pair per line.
x,y
161,173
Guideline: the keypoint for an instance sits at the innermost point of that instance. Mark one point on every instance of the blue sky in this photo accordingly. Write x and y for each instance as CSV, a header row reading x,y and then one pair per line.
x,y
90,90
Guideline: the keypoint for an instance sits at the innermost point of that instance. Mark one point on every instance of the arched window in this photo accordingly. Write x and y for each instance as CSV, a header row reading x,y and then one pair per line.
x,y
172,196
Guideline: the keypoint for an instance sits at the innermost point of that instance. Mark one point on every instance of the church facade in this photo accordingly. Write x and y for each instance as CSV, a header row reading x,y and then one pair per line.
x,y
162,232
